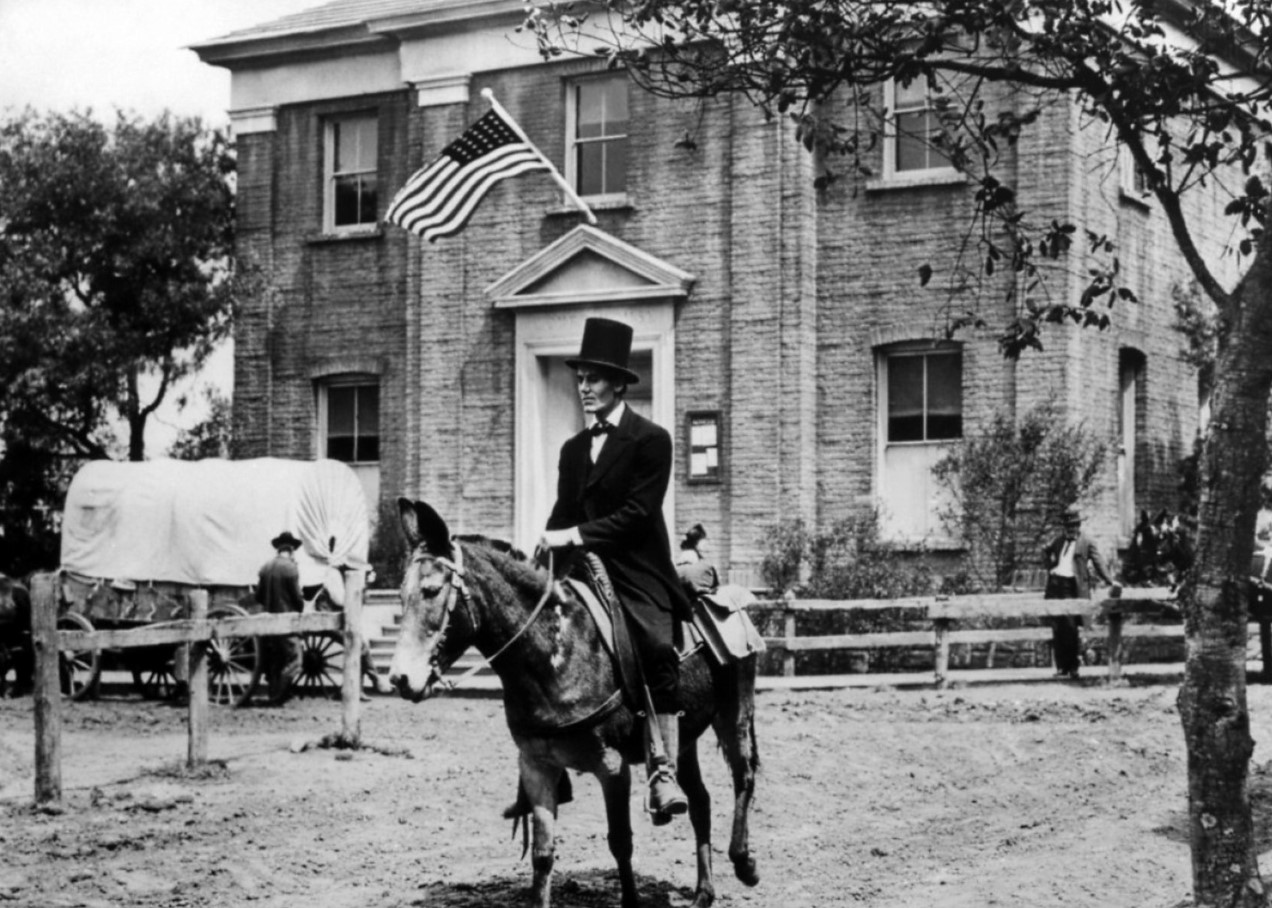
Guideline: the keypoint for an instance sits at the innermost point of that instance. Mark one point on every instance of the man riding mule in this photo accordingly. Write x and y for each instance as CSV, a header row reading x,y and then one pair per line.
x,y
563,696
611,481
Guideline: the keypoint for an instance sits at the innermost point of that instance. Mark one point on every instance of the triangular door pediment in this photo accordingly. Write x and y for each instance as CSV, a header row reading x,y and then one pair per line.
x,y
588,266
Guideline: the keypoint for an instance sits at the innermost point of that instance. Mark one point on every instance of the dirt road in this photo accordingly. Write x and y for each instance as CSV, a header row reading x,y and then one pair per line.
x,y
1045,794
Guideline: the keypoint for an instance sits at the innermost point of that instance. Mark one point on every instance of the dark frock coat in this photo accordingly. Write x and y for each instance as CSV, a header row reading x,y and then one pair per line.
x,y
616,504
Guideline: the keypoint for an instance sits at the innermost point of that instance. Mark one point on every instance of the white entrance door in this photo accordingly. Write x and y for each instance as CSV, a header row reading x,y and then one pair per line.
x,y
548,409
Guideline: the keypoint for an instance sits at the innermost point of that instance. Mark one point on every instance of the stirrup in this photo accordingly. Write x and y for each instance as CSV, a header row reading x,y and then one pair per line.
x,y
678,803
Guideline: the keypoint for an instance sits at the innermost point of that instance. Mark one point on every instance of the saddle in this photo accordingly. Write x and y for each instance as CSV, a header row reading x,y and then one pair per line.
x,y
589,582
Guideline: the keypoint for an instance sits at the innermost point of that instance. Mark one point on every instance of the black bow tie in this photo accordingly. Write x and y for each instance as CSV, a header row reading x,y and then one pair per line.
x,y
600,427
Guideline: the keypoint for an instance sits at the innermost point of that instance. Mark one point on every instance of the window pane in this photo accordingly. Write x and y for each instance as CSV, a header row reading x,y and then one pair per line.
x,y
340,403
368,449
905,398
615,165
602,108
346,199
340,448
590,173
912,149
367,200
368,410
345,142
945,396
912,96
367,143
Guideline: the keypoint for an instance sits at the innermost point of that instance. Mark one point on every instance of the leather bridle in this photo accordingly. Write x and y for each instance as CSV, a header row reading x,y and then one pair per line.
x,y
457,591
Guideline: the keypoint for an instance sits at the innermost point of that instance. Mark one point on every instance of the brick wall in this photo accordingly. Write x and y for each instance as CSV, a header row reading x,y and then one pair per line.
x,y
794,291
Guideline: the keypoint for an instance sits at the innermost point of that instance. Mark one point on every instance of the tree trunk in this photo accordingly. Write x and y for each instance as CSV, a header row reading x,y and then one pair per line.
x,y
1212,700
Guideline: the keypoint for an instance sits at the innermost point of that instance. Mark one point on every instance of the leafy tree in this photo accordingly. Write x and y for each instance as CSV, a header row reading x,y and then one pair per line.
x,y
211,437
116,271
1187,121
1011,482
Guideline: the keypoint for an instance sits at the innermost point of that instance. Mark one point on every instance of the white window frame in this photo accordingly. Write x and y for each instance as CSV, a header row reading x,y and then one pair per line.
x,y
894,526
1132,181
324,387
572,142
943,173
329,174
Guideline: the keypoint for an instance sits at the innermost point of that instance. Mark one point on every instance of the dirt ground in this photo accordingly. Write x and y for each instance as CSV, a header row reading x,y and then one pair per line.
x,y
1055,794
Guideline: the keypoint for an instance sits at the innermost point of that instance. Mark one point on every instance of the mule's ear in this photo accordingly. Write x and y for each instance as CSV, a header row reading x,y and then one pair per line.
x,y
422,524
409,521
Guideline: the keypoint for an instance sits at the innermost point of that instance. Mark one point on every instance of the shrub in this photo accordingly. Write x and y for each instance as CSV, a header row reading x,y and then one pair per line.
x,y
1009,485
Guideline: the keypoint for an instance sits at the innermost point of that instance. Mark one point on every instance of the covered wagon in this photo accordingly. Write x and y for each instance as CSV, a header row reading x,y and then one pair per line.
x,y
137,538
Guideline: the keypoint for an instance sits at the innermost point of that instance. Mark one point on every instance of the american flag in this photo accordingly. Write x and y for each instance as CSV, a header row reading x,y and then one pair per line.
x,y
438,199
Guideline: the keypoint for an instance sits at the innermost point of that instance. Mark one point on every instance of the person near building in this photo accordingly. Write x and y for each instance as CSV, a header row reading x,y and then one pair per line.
x,y
611,481
1070,560
697,573
15,635
278,591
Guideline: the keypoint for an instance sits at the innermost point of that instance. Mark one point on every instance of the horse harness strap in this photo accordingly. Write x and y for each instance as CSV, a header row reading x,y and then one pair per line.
x,y
459,589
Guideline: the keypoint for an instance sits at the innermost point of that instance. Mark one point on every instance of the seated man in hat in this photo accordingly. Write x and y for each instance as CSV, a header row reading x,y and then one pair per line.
x,y
612,478
1070,559
278,590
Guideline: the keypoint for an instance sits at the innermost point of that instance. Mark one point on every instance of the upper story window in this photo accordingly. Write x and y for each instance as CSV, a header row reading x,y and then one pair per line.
x,y
350,180
913,124
1133,180
349,420
596,136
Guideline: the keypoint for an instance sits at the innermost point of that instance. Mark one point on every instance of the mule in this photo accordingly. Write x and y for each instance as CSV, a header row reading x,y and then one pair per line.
x,y
562,699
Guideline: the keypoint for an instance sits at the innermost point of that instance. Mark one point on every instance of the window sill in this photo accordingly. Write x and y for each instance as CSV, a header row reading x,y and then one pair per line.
x,y
945,176
926,544
1142,201
617,202
363,233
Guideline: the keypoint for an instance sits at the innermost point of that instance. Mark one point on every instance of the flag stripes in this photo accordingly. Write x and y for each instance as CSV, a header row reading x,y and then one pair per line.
x,y
438,200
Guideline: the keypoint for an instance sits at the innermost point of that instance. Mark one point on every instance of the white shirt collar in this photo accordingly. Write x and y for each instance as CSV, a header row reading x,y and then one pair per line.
x,y
614,416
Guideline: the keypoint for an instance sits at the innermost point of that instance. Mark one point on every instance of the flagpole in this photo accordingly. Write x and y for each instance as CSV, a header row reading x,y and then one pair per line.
x,y
556,175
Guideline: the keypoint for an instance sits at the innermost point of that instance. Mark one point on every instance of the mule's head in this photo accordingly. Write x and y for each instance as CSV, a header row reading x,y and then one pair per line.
x,y
436,619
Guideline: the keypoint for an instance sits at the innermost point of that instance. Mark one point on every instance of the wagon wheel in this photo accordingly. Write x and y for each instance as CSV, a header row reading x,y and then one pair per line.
x,y
152,671
78,670
234,663
321,662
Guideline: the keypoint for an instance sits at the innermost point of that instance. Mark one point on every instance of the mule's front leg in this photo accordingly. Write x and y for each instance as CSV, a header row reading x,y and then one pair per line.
x,y
540,783
616,785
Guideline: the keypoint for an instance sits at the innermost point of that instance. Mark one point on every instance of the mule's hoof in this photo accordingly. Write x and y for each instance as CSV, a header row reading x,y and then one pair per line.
x,y
703,900
744,869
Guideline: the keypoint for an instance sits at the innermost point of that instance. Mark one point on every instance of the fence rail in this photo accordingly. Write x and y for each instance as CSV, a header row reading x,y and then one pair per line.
x,y
196,632
1152,603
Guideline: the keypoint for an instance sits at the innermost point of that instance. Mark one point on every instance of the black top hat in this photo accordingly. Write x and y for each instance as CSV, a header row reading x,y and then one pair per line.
x,y
1071,518
285,540
607,344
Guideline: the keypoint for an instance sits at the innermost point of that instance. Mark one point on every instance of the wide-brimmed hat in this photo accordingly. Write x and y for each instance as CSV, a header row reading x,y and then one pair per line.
x,y
285,540
607,344
1071,518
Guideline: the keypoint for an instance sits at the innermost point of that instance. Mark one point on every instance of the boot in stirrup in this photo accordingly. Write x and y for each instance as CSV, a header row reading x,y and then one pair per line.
x,y
666,800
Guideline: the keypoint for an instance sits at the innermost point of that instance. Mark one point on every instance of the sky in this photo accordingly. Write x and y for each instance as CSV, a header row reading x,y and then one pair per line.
x,y
100,55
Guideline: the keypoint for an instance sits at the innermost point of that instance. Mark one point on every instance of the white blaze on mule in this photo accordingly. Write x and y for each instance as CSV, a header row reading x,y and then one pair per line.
x,y
562,701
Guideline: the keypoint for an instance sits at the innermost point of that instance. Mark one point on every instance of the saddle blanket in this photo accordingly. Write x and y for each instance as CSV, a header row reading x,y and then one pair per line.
x,y
725,629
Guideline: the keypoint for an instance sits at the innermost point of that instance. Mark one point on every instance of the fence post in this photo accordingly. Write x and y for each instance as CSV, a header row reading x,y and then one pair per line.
x,y
197,684
351,689
47,690
1115,619
788,631
941,652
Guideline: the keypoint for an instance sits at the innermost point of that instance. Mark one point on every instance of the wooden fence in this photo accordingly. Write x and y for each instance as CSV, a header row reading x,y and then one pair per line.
x,y
944,613
197,632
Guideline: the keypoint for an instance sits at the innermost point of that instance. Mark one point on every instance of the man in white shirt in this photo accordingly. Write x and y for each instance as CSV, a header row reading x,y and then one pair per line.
x,y
1070,560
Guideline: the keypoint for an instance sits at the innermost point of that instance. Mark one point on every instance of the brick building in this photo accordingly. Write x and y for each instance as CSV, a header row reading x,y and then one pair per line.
x,y
782,333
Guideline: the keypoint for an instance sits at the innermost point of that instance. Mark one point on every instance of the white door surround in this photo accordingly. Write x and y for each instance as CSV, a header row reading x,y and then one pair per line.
x,y
585,273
